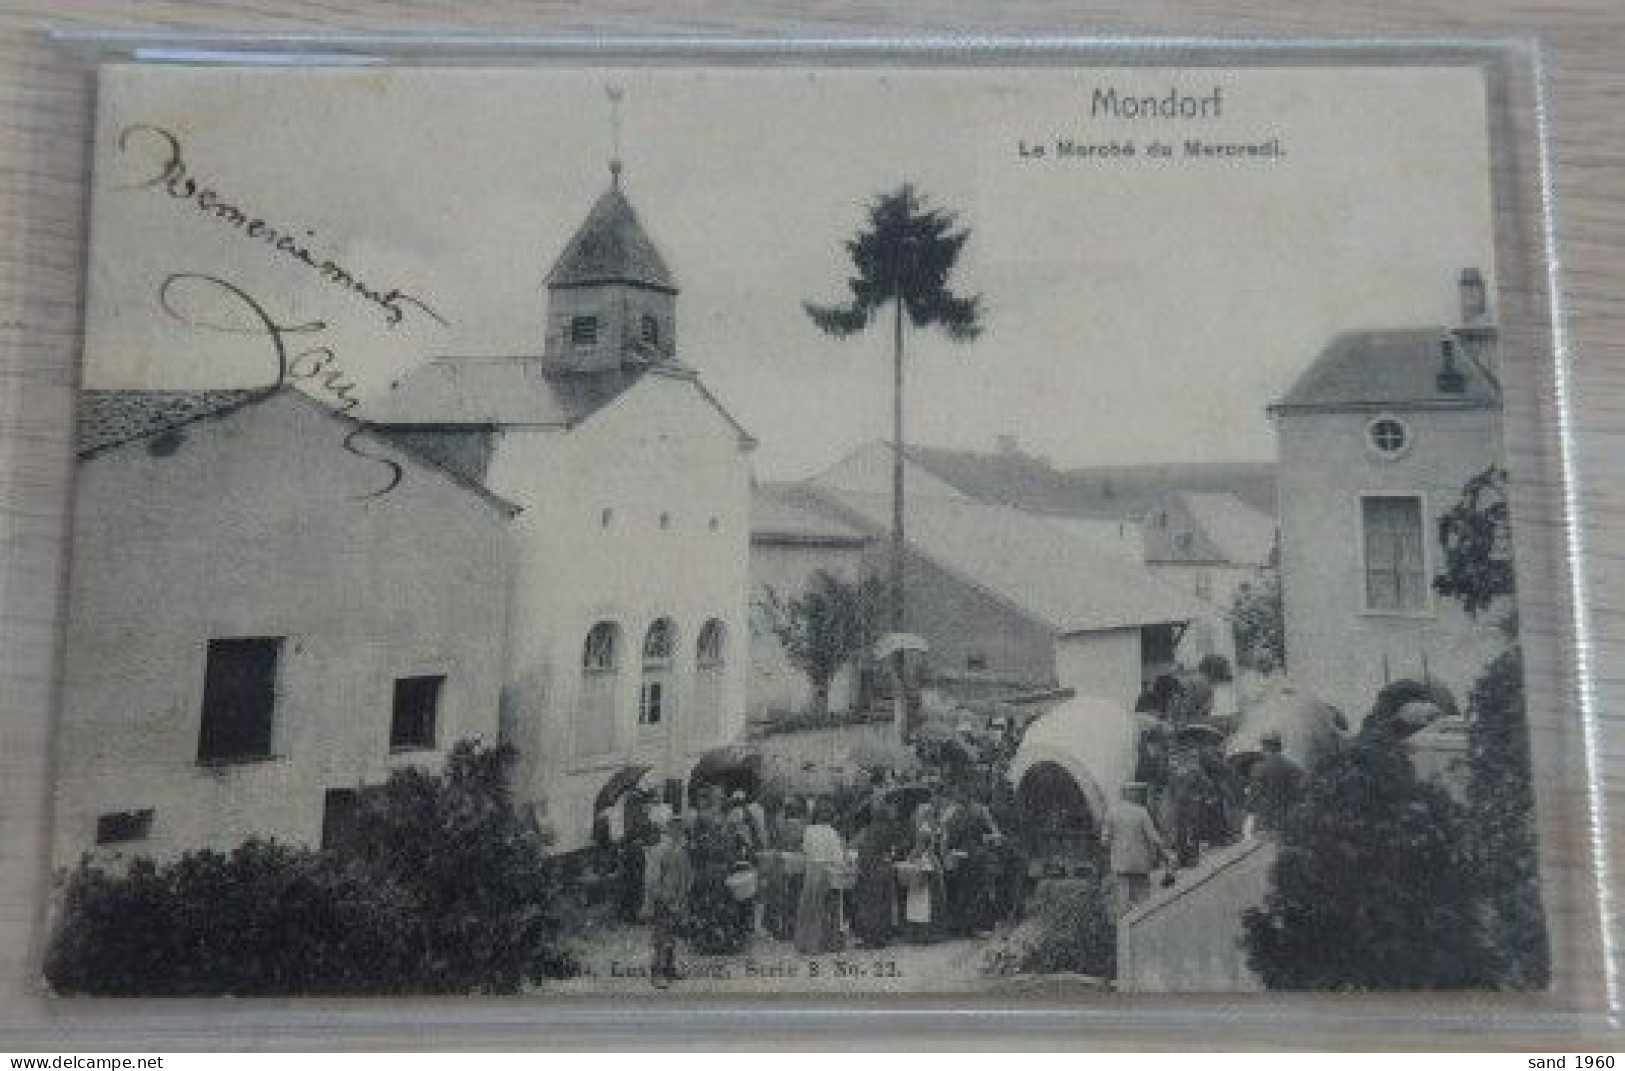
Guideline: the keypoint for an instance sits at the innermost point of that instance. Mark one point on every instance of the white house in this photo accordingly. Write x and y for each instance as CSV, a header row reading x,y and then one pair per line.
x,y
629,636
1210,544
253,633
1010,600
791,540
1377,439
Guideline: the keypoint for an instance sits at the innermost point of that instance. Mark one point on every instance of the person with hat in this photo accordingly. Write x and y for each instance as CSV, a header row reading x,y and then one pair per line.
x,y
668,877
1136,847
1276,785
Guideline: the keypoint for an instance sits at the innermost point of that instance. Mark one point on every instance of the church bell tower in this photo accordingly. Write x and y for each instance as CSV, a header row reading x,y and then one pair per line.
x,y
611,300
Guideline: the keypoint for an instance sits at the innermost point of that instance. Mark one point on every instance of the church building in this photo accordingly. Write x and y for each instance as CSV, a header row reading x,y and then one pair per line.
x,y
628,636
1376,440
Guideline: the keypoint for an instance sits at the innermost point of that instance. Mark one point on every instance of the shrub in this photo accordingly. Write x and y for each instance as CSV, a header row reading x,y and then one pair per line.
x,y
1216,668
476,874
1258,619
1373,887
442,888
1069,928
263,919
1501,803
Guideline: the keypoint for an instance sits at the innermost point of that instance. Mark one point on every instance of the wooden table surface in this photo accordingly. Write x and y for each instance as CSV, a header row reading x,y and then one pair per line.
x,y
44,111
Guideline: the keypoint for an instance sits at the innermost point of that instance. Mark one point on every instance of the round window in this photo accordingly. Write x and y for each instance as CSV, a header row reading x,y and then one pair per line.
x,y
1388,437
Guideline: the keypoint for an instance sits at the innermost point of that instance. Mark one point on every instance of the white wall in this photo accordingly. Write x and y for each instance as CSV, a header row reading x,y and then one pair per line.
x,y
1335,648
1188,938
660,449
775,685
1215,586
1103,664
253,527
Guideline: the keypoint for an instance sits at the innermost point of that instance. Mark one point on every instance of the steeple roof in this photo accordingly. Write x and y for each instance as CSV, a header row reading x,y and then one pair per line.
x,y
611,246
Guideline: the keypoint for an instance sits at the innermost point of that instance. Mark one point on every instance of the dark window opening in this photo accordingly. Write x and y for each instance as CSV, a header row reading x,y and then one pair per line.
x,y
650,703
417,705
123,826
239,697
1157,645
709,648
976,662
583,330
340,809
598,655
650,330
1388,437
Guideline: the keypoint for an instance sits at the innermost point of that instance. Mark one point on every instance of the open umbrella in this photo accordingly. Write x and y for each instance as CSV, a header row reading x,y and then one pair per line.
x,y
1199,734
893,642
736,768
619,784
946,751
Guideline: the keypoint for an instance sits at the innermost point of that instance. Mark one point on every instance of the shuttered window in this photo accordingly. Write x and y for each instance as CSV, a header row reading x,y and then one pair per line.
x,y
1395,570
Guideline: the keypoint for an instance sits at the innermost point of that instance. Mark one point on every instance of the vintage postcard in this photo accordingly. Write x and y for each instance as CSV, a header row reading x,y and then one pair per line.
x,y
770,531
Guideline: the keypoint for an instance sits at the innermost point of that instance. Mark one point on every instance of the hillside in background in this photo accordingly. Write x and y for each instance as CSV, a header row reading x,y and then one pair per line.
x,y
1012,477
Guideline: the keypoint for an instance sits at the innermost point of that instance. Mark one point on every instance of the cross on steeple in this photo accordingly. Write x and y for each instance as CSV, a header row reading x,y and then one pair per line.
x,y
614,93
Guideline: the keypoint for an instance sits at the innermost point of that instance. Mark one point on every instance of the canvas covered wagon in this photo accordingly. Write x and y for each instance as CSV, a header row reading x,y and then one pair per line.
x,y
1068,769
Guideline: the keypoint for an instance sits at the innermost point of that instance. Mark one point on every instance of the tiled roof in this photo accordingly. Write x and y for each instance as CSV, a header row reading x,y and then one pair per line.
x,y
1036,566
787,513
1243,535
461,392
1400,367
109,418
496,391
1104,491
1239,534
611,246
112,418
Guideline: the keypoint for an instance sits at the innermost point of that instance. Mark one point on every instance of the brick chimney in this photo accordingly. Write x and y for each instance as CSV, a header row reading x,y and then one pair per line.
x,y
1475,306
1450,379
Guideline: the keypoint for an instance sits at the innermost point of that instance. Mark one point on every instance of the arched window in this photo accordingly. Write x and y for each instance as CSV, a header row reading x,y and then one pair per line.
x,y
710,660
595,707
655,694
708,651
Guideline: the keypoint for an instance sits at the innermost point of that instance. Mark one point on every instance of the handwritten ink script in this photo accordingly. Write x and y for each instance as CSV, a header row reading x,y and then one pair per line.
x,y
209,303
164,168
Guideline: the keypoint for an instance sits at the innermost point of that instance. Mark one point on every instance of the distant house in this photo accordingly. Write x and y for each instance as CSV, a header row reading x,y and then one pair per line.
x,y
1009,600
1011,476
791,539
1209,544
628,638
1376,440
253,634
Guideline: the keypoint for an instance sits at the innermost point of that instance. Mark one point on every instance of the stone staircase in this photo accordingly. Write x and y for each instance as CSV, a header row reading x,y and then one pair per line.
x,y
1187,938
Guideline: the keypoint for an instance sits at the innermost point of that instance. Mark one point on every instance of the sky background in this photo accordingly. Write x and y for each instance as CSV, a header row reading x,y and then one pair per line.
x,y
1136,311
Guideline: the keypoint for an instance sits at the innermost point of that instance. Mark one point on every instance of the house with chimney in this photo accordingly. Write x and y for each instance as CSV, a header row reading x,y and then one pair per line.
x,y
275,605
1376,440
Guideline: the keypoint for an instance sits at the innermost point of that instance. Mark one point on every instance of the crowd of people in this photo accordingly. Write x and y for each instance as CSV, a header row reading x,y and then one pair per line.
x,y
936,854
914,860
1188,796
